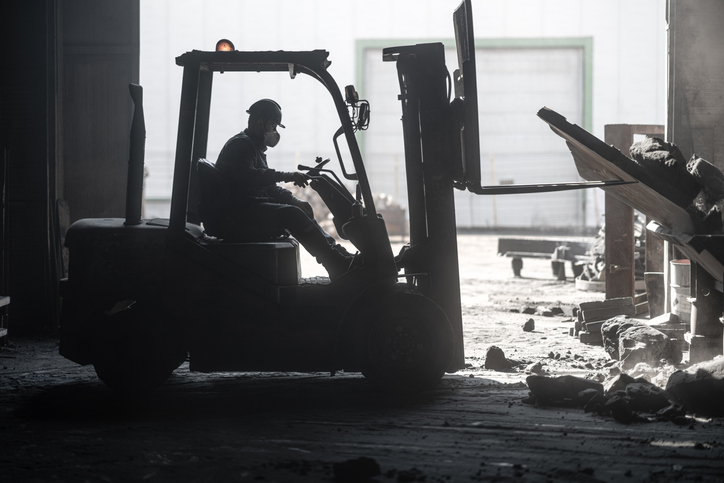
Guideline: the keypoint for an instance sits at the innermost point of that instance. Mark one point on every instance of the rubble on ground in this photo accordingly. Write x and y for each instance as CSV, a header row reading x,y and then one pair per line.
x,y
632,342
561,390
495,359
700,388
359,469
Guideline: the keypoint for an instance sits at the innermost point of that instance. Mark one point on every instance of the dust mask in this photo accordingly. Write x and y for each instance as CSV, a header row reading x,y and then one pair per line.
x,y
271,138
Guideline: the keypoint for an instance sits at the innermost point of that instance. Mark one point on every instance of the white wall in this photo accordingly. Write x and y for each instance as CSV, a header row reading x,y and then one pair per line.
x,y
629,61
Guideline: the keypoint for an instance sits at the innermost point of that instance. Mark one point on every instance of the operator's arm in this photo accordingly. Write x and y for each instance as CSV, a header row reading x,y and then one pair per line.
x,y
239,160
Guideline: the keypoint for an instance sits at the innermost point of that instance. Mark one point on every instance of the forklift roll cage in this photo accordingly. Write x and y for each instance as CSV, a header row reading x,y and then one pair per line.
x,y
193,126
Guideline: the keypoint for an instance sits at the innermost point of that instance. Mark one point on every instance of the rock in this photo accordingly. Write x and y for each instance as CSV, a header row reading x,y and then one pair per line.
x,y
584,396
596,404
664,162
642,370
671,412
700,392
714,367
528,310
618,383
641,343
709,177
653,149
610,331
561,390
360,469
535,368
620,409
413,474
529,325
544,311
557,311
495,359
646,397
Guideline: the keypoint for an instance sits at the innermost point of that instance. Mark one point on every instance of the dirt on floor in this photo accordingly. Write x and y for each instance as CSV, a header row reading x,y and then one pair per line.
x,y
58,422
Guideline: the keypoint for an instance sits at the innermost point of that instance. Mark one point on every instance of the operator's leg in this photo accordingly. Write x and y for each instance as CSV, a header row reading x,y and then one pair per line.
x,y
309,233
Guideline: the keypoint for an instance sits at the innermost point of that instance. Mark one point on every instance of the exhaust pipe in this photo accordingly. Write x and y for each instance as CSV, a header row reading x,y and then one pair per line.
x,y
134,185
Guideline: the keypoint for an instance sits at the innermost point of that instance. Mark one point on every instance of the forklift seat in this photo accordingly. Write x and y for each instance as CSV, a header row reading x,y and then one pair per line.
x,y
274,259
213,194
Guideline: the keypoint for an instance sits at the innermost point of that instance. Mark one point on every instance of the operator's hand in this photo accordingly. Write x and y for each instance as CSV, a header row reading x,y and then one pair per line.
x,y
305,207
300,179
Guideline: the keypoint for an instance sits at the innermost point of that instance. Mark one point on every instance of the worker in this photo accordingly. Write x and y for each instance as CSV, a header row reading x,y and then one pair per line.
x,y
259,205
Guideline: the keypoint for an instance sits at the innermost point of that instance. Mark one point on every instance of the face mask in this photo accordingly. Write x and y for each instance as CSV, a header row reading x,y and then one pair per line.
x,y
271,138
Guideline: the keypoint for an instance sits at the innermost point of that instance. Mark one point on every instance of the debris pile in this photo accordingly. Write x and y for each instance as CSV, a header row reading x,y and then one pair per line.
x,y
624,398
696,180
700,388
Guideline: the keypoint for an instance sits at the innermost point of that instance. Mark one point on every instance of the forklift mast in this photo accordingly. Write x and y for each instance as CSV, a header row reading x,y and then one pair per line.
x,y
441,151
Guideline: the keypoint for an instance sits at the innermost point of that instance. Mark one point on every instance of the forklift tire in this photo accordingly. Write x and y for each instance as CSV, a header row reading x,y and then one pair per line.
x,y
408,343
136,350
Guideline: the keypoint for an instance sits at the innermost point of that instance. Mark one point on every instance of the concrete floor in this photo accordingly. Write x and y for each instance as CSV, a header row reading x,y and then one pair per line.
x,y
59,423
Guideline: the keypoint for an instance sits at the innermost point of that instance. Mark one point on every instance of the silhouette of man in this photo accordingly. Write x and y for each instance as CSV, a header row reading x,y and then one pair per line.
x,y
255,200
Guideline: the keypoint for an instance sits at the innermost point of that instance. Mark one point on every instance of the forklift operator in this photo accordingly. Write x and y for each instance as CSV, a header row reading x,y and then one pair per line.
x,y
259,205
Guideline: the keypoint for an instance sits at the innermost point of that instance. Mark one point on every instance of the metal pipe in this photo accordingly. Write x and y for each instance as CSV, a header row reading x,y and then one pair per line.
x,y
134,185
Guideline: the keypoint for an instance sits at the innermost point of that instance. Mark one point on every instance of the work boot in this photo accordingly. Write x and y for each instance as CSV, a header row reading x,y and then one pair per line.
x,y
341,249
336,263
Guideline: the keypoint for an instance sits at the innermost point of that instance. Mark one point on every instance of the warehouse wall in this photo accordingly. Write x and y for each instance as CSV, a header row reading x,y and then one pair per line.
x,y
627,73
696,79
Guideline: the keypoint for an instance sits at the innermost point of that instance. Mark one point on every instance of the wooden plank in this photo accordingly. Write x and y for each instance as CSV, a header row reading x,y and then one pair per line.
x,y
591,338
605,313
594,327
620,247
642,308
599,304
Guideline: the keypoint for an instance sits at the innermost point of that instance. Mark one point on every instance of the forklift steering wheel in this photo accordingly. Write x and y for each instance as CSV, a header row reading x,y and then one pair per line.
x,y
315,170
321,162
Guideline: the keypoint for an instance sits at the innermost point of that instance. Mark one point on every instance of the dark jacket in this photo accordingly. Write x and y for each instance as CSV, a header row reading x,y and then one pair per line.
x,y
242,161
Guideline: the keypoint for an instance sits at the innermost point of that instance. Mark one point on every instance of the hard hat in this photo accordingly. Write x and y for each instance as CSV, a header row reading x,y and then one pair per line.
x,y
266,109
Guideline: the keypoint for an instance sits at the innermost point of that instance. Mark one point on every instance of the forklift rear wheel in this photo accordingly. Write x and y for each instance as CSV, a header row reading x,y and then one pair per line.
x,y
136,350
409,343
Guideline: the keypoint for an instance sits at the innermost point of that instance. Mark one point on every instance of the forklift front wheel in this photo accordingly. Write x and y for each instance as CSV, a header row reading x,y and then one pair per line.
x,y
136,350
409,343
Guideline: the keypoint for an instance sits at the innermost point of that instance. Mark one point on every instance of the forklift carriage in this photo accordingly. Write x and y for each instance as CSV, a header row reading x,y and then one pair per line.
x,y
143,295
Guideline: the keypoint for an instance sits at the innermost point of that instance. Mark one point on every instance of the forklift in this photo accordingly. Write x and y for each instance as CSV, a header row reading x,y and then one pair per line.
x,y
143,296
